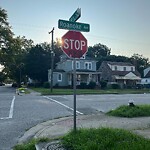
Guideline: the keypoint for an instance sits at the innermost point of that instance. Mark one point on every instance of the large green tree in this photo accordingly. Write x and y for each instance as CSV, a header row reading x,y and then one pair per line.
x,y
12,49
37,63
98,50
6,34
140,62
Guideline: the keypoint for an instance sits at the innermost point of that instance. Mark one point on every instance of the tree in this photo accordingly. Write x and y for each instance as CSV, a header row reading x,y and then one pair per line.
x,y
2,77
5,30
140,63
12,50
37,63
14,58
5,34
98,51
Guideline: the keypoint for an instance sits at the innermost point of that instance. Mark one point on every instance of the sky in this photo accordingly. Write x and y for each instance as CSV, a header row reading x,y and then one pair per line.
x,y
122,25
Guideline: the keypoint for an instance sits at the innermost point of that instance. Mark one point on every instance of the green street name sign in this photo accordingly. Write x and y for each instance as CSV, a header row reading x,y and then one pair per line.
x,y
75,26
76,15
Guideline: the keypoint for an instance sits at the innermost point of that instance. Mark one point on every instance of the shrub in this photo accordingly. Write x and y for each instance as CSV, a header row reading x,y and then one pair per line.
x,y
91,85
103,84
115,86
82,85
46,85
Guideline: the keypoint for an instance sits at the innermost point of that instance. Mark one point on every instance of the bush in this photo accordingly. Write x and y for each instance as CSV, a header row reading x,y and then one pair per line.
x,y
115,86
103,84
82,85
46,85
91,85
37,84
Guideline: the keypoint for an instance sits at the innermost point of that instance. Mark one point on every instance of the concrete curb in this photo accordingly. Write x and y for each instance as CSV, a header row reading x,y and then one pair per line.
x,y
58,127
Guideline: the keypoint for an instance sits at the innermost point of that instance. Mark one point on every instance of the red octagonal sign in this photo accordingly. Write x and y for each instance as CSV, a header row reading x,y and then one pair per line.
x,y
74,44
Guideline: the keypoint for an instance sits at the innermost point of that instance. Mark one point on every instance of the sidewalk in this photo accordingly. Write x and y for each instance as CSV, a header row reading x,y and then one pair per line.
x,y
59,127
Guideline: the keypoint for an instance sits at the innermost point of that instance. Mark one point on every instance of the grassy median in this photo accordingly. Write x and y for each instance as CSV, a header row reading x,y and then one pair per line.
x,y
104,139
45,91
131,111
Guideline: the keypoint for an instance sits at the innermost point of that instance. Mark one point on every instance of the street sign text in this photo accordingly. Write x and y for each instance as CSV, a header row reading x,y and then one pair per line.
x,y
75,26
76,15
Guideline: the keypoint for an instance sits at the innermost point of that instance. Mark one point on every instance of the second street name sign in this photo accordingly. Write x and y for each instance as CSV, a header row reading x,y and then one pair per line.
x,y
75,26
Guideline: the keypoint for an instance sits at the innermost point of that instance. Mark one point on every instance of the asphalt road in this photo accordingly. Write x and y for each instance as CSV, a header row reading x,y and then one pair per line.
x,y
27,111
18,113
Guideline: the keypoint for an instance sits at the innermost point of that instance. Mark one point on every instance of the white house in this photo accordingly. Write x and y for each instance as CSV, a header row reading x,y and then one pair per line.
x,y
146,79
63,74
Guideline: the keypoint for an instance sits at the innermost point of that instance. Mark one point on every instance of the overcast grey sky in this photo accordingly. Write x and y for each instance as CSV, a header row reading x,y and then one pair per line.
x,y
122,25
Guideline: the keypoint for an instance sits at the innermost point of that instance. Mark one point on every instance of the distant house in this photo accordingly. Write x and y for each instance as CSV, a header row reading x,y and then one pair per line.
x,y
122,73
146,79
63,74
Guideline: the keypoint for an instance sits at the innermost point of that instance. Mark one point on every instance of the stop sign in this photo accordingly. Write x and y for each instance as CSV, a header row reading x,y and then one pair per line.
x,y
74,44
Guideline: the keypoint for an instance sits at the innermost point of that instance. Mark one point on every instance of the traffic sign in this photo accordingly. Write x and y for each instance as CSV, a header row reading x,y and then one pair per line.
x,y
76,15
74,44
75,26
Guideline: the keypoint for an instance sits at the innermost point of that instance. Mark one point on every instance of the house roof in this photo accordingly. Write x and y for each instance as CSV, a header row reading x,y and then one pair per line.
x,y
119,63
147,75
65,57
123,73
58,70
127,78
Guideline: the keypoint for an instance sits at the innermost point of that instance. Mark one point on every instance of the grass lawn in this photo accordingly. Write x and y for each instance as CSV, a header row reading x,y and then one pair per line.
x,y
96,139
45,91
128,111
104,139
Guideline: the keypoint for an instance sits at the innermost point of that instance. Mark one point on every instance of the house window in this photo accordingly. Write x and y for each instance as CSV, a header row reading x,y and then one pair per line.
x,y
124,68
115,68
77,65
131,68
88,65
59,77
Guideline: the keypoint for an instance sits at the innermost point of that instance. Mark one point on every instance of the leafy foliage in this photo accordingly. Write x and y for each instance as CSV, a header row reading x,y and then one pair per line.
x,y
37,63
98,51
140,62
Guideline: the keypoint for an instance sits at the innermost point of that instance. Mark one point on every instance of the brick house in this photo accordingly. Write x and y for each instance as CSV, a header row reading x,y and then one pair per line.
x,y
122,73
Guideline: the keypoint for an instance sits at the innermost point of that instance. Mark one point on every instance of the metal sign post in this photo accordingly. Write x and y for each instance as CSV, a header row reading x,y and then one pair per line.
x,y
74,44
74,91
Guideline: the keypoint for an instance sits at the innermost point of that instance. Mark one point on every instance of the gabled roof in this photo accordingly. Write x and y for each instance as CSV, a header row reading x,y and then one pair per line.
x,y
58,70
147,75
119,63
123,73
64,57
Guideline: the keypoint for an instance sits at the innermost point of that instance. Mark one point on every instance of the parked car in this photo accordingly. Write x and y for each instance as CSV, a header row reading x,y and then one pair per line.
x,y
2,84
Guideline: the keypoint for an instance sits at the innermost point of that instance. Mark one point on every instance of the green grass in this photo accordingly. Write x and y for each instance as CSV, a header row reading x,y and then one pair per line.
x,y
127,111
45,91
104,139
30,145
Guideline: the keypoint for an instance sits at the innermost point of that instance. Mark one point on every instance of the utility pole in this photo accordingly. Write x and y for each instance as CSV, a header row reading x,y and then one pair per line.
x,y
52,59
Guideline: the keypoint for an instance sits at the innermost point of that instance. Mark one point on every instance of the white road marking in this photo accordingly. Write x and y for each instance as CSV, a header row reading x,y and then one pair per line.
x,y
62,104
11,110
